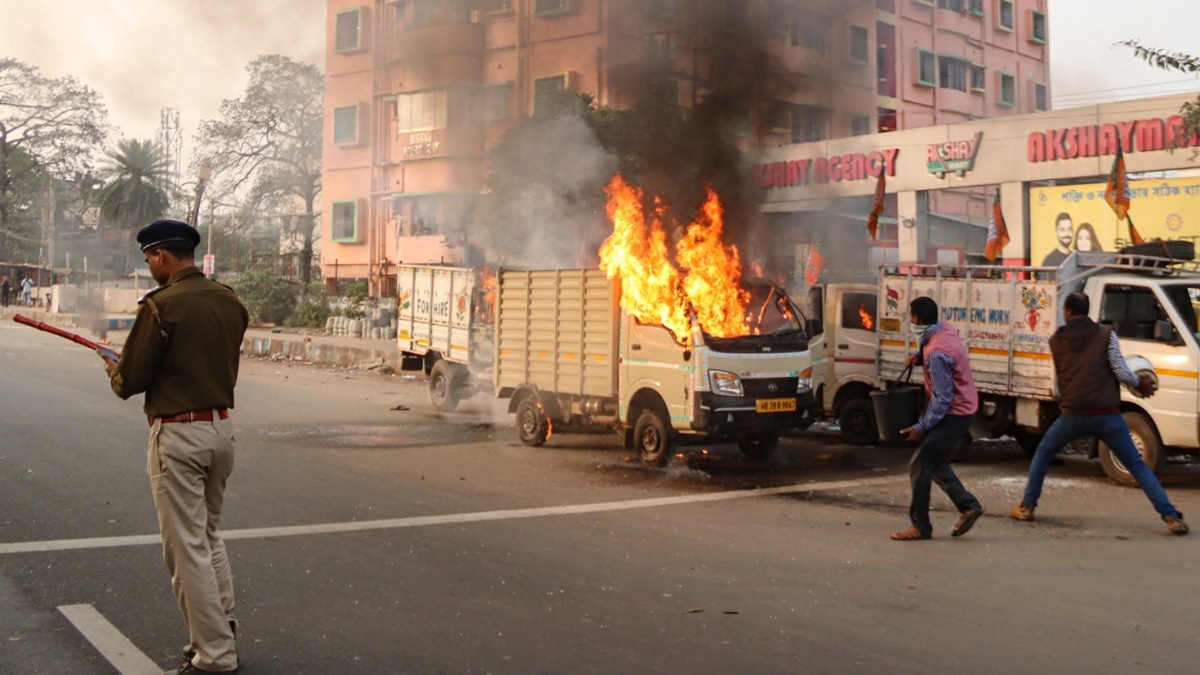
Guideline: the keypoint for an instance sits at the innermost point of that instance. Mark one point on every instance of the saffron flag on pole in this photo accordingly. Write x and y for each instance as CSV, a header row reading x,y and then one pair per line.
x,y
1116,191
877,207
1134,236
814,266
997,237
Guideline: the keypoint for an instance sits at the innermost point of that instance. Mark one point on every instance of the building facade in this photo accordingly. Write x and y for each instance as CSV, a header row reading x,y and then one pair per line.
x,y
417,91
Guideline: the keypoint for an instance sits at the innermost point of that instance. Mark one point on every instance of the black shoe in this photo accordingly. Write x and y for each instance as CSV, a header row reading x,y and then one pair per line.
x,y
189,669
966,520
189,653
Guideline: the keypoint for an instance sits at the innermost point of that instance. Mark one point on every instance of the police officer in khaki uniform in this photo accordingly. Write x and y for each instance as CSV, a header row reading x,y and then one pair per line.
x,y
183,352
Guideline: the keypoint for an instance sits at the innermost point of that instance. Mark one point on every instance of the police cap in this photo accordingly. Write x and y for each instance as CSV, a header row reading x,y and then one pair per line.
x,y
170,233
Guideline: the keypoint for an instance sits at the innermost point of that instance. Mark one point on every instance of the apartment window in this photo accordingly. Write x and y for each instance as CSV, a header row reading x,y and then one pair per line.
x,y
779,115
952,73
808,123
1008,89
548,93
886,6
345,125
779,19
976,7
926,68
1004,14
550,7
662,9
810,30
344,221
860,125
1037,27
977,78
1039,96
955,5
422,111
497,6
858,44
736,13
493,102
348,31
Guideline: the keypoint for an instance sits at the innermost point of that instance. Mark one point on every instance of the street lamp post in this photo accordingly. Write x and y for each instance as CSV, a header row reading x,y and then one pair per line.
x,y
202,176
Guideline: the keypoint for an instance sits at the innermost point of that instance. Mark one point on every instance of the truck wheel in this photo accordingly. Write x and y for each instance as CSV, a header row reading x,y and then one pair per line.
x,y
443,387
653,439
1145,439
759,446
857,421
533,426
1026,440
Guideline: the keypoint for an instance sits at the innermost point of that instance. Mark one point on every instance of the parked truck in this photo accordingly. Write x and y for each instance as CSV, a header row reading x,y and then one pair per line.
x,y
1006,316
445,328
567,357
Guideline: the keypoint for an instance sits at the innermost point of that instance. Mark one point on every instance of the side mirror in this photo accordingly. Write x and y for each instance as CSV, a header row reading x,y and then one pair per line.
x,y
813,327
1164,331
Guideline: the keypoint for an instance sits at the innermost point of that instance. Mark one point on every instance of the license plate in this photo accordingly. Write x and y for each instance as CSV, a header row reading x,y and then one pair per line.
x,y
771,405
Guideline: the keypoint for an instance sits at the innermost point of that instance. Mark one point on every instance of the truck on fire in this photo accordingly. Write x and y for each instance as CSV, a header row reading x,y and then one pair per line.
x,y
1006,316
568,357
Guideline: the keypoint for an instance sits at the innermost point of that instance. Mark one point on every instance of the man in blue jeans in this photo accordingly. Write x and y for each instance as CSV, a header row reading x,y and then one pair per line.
x,y
1089,368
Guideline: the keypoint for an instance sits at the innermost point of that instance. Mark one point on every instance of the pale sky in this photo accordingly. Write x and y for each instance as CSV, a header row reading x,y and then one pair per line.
x,y
143,55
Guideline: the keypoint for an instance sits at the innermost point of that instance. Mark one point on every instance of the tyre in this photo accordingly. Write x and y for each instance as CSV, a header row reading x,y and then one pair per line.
x,y
759,446
1026,440
653,438
1145,439
857,420
443,386
533,426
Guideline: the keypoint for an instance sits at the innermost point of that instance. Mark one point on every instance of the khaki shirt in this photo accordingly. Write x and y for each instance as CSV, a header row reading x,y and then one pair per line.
x,y
184,347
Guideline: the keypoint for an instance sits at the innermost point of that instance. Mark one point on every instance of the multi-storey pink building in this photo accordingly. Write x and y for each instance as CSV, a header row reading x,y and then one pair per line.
x,y
417,91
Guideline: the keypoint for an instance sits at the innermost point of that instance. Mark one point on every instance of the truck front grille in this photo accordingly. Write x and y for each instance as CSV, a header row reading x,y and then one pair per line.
x,y
761,388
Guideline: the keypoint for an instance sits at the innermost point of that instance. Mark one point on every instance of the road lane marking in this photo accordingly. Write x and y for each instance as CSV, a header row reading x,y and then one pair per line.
x,y
453,518
110,642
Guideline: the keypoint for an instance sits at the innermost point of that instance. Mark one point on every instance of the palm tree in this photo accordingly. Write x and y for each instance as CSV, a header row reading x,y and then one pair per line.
x,y
135,193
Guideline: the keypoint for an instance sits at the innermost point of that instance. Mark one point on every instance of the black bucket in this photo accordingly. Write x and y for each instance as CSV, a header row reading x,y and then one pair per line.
x,y
897,407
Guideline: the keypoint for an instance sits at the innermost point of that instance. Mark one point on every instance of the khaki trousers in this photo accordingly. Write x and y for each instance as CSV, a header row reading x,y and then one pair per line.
x,y
188,465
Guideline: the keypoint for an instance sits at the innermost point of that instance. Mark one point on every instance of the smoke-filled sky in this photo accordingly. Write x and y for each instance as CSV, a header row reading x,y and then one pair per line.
x,y
142,55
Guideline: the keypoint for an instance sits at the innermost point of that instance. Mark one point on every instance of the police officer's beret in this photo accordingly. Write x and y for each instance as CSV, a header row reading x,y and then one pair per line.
x,y
167,231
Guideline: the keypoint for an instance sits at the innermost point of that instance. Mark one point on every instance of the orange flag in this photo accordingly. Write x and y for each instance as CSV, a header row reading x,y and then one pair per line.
x,y
1134,236
1116,191
997,233
877,207
814,266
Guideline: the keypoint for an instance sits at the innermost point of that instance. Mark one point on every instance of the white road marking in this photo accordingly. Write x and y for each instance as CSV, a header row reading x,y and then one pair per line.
x,y
109,641
453,518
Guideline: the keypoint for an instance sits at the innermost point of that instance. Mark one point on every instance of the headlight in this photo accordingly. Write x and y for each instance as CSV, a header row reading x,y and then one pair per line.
x,y
726,384
804,384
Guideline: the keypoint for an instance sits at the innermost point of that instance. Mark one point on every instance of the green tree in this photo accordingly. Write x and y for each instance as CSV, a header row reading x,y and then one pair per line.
x,y
268,298
48,127
136,191
1184,63
267,144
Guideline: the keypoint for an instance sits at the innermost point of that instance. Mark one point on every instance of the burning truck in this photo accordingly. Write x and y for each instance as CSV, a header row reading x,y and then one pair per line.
x,y
660,348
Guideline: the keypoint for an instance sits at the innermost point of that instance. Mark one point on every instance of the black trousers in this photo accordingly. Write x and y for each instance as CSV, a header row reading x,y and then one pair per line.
x,y
930,464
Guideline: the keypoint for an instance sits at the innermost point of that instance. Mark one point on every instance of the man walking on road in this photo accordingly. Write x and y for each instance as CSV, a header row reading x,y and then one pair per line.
x,y
27,292
1089,368
183,353
952,402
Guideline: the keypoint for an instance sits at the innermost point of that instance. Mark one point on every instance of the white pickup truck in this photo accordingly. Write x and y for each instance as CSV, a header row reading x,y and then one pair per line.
x,y
1006,316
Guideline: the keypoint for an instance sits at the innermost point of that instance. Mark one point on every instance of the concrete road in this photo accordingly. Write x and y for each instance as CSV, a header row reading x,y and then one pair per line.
x,y
368,539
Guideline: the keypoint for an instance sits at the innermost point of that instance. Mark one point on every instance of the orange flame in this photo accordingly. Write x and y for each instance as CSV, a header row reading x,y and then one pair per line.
x,y
654,290
865,317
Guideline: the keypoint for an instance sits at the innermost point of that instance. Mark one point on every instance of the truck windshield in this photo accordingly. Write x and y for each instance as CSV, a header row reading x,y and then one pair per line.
x,y
1186,298
775,321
